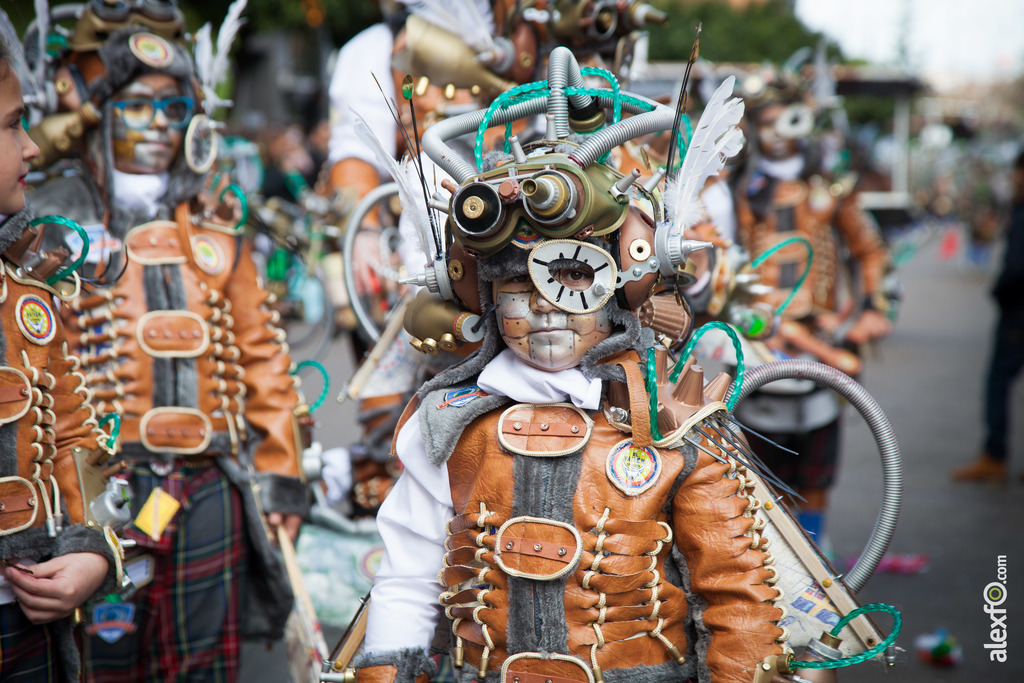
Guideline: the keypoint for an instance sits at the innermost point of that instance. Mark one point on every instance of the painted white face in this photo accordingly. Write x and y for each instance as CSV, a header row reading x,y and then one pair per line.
x,y
771,143
16,149
542,335
154,148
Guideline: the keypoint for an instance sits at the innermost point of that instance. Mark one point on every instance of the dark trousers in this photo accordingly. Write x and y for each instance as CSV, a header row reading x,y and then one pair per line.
x,y
1004,366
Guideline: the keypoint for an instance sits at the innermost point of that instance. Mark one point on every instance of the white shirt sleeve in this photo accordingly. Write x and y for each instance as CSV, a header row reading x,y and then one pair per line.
x,y
352,87
404,606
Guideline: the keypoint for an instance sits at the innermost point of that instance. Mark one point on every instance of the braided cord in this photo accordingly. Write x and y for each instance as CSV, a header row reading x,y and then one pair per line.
x,y
866,655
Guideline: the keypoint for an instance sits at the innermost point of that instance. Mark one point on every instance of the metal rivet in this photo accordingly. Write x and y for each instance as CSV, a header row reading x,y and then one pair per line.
x,y
32,502
562,552
24,392
184,432
544,427
548,681
150,431
575,429
3,506
517,425
183,334
508,546
152,333
202,432
170,431
537,547
152,241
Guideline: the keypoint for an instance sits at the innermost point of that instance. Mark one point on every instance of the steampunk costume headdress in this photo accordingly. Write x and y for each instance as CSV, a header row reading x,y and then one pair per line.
x,y
553,205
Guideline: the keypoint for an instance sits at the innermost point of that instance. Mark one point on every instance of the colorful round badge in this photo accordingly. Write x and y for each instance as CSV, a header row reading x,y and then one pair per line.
x,y
633,469
209,255
35,318
151,50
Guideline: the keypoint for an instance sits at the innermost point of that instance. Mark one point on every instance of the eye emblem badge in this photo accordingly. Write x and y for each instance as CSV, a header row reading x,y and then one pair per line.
x,y
574,276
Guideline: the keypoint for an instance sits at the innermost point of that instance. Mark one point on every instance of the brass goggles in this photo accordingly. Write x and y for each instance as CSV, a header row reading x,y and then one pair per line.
x,y
543,198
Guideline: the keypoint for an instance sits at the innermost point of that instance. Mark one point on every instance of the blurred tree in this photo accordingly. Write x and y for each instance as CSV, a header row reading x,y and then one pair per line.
x,y
762,32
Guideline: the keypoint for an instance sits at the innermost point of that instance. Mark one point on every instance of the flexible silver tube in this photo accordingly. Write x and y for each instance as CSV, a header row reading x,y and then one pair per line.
x,y
611,137
435,139
564,70
888,448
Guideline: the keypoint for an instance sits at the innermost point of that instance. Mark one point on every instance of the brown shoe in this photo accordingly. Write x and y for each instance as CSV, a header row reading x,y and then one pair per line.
x,y
985,468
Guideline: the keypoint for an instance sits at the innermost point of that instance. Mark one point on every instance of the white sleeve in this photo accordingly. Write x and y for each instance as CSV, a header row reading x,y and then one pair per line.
x,y
718,203
352,87
404,604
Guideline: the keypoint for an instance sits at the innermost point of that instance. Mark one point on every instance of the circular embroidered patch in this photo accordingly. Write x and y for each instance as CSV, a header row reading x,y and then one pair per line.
x,y
151,50
633,469
525,237
35,318
208,253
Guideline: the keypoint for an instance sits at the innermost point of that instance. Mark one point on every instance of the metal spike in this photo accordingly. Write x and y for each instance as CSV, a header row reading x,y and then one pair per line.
x,y
697,444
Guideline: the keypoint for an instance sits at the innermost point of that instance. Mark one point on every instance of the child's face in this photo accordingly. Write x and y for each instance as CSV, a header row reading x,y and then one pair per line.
x,y
542,335
152,148
16,148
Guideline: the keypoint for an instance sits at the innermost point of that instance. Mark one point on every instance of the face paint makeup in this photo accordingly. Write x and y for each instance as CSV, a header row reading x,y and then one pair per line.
x,y
153,149
541,334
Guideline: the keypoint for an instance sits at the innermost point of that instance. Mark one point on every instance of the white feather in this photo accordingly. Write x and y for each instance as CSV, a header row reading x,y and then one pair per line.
x,y
460,17
410,195
229,28
42,8
715,139
203,53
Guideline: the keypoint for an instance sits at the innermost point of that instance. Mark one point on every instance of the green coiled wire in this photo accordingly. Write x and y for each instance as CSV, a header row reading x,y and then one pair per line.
x,y
77,263
651,383
867,654
327,381
678,368
536,89
803,276
242,199
115,432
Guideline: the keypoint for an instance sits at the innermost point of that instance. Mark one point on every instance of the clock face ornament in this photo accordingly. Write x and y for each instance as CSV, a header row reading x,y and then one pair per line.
x,y
577,277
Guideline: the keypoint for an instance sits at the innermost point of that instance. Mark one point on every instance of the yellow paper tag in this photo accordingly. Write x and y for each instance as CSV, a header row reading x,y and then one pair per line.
x,y
157,513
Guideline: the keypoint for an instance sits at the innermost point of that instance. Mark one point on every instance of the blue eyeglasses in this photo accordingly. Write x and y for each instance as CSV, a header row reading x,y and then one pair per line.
x,y
138,113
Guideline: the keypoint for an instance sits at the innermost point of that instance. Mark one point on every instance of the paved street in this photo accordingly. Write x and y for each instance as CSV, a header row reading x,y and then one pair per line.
x,y
928,378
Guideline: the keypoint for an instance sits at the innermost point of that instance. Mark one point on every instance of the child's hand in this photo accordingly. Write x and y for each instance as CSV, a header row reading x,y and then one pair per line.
x,y
56,587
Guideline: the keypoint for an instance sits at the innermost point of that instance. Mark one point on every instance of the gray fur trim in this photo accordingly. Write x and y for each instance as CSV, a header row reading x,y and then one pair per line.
x,y
279,493
410,663
66,650
474,364
13,226
122,66
77,538
509,262
625,336
442,429
493,158
543,487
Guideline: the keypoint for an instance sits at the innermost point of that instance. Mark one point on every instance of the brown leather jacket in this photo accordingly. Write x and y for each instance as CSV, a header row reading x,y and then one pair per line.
x,y
185,350
808,208
574,536
46,421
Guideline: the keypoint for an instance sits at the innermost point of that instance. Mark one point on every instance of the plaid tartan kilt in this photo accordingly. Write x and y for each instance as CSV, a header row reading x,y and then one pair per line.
x,y
184,625
27,651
